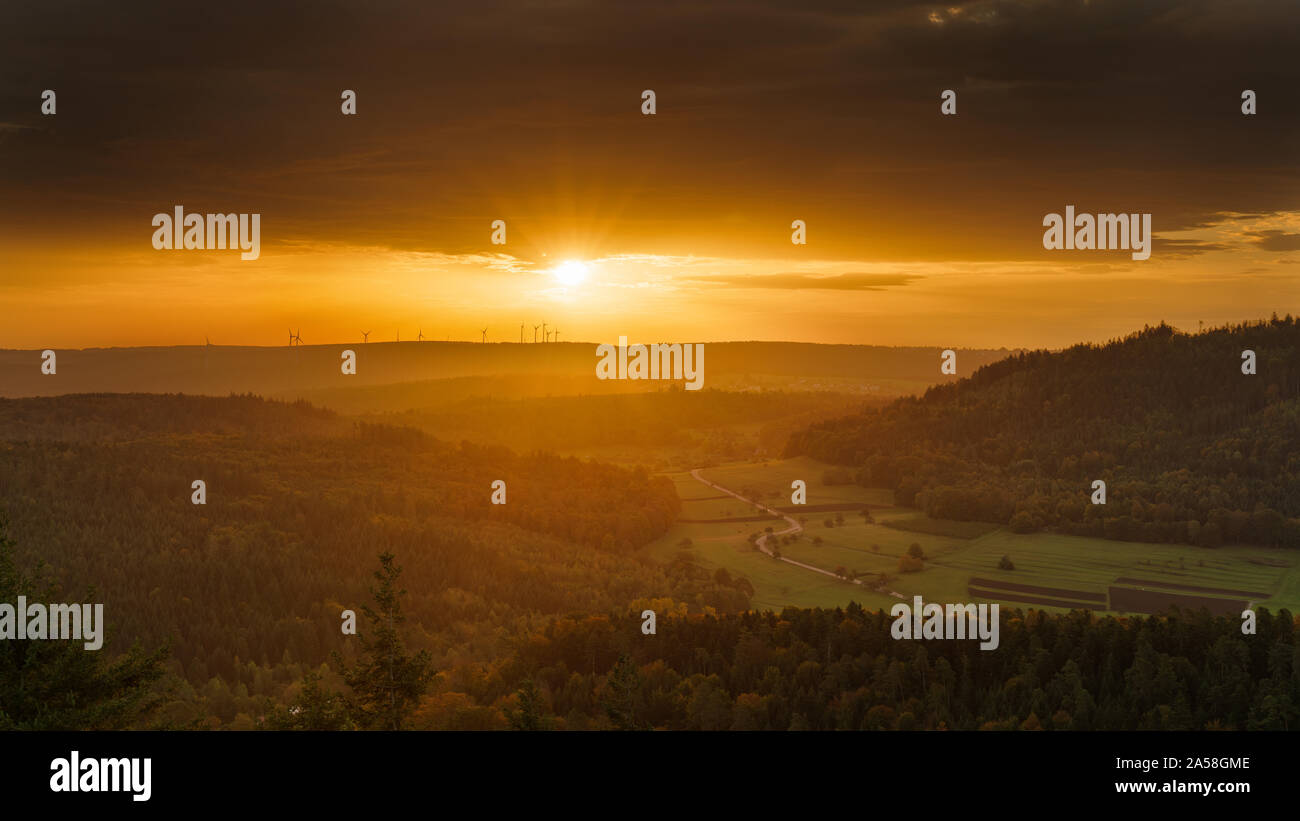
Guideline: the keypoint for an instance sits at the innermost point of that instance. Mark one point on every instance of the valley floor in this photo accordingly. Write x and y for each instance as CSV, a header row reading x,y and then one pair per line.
x,y
723,506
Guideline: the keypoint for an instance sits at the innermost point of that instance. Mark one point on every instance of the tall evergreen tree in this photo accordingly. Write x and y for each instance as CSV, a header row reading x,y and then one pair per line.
x,y
620,695
386,682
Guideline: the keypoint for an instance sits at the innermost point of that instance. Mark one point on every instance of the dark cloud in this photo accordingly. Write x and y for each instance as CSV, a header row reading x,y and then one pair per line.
x,y
1277,240
469,111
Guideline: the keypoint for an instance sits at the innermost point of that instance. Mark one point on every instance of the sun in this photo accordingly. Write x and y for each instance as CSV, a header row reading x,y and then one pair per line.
x,y
571,272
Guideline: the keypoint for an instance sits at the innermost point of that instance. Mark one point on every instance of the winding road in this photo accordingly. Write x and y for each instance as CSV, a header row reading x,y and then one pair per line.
x,y
794,527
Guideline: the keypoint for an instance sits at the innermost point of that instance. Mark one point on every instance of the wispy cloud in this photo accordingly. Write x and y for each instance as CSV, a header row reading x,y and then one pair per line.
x,y
1186,247
1275,240
796,281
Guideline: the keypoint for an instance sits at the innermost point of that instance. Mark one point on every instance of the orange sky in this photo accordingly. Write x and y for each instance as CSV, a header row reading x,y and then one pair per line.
x,y
922,229
332,293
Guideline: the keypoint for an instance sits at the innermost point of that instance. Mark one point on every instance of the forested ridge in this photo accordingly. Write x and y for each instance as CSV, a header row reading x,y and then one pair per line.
x,y
1192,450
249,587
706,422
840,669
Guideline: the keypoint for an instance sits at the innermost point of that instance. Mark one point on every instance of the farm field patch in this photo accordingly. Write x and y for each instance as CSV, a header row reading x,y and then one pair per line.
x,y
961,558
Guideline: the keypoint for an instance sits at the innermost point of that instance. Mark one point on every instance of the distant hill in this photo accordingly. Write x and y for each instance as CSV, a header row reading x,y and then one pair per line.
x,y
220,370
669,428
1191,449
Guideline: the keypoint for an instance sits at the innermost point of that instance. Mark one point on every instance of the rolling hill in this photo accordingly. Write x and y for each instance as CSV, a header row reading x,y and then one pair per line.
x,y
1191,448
535,369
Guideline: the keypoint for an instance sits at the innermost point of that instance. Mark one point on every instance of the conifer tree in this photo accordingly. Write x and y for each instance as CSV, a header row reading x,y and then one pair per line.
x,y
620,695
316,708
529,714
386,682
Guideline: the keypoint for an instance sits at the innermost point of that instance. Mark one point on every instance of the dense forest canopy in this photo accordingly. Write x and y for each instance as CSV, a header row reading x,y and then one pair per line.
x,y
249,587
840,669
1192,449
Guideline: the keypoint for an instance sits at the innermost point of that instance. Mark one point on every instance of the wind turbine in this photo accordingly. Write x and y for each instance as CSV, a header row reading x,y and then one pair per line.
x,y
291,337
535,327
365,336
297,337
557,334
545,335
484,334
420,338
521,333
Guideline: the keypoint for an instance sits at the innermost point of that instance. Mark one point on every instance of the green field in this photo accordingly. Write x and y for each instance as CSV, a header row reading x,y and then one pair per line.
x,y
776,584
955,551
1093,564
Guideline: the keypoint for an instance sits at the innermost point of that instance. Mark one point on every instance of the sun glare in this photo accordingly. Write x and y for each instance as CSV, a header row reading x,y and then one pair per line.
x,y
571,272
